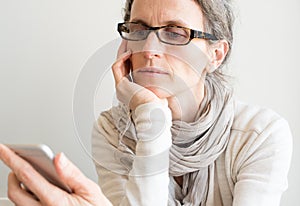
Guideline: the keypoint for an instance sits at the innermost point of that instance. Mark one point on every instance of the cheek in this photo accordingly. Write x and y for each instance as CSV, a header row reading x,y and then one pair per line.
x,y
183,72
188,62
135,46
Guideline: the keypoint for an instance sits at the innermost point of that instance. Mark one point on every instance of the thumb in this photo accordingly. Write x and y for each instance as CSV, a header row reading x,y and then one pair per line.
x,y
72,176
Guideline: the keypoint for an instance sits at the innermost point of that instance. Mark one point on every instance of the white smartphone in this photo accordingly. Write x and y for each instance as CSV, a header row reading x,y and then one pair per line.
x,y
41,158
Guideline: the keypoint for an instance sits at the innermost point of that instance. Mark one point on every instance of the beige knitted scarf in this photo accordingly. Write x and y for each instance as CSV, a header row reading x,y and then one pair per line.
x,y
197,145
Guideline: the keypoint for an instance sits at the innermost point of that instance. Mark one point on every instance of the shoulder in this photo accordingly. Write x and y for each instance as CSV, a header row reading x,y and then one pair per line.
x,y
257,124
258,134
253,118
258,154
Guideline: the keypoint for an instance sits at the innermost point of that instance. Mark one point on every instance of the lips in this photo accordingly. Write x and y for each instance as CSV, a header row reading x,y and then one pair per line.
x,y
153,70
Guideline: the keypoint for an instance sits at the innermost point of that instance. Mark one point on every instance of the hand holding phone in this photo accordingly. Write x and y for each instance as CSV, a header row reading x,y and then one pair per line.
x,y
84,191
41,158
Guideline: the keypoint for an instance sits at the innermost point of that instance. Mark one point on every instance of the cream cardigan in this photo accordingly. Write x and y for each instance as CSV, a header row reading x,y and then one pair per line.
x,y
252,171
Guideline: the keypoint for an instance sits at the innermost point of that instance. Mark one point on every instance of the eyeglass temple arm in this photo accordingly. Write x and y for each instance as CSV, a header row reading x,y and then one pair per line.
x,y
203,35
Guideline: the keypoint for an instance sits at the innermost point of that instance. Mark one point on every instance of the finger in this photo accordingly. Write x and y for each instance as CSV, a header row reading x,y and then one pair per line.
x,y
133,94
26,174
119,68
18,195
126,90
122,48
72,176
78,182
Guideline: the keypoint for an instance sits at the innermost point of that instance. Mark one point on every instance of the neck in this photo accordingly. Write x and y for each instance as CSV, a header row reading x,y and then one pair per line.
x,y
185,105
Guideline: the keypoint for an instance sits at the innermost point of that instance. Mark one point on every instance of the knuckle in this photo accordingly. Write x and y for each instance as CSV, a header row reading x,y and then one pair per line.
x,y
25,174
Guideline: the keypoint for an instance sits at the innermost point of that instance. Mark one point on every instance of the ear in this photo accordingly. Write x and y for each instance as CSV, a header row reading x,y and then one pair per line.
x,y
219,51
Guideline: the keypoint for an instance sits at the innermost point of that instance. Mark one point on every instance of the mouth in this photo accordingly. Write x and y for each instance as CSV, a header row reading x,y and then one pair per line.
x,y
152,71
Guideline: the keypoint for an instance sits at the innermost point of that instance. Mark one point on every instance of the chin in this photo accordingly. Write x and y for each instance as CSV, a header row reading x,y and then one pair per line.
x,y
161,87
160,92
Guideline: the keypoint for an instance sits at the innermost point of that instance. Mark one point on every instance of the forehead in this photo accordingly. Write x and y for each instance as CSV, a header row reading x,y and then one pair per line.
x,y
159,12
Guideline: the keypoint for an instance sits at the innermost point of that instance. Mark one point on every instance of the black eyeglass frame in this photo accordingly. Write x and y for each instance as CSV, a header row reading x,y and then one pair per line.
x,y
193,33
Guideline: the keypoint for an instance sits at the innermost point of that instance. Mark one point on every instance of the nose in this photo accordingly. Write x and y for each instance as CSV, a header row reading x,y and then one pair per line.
x,y
152,46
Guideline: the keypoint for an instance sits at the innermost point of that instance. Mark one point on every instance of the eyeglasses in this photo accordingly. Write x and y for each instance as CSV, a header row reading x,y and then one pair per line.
x,y
173,35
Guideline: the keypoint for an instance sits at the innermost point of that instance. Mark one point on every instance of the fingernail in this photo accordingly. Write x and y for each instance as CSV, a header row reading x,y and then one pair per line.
x,y
125,54
128,51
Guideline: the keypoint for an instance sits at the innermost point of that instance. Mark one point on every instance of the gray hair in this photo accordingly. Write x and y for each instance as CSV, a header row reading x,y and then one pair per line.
x,y
218,20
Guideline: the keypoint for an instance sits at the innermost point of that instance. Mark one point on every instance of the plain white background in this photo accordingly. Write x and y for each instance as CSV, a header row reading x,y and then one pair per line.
x,y
44,45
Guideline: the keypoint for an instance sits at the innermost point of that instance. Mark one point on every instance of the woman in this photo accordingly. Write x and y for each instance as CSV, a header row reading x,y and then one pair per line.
x,y
177,137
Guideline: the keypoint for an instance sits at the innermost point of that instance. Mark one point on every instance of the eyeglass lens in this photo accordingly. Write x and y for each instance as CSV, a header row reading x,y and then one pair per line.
x,y
170,34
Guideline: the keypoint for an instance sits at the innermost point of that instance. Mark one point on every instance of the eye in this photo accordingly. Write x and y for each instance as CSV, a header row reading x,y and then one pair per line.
x,y
176,32
133,27
137,31
174,35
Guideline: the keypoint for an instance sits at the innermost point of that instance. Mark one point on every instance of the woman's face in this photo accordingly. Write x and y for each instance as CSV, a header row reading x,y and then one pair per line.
x,y
168,70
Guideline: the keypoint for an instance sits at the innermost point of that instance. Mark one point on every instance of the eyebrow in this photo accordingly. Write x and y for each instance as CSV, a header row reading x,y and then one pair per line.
x,y
177,22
